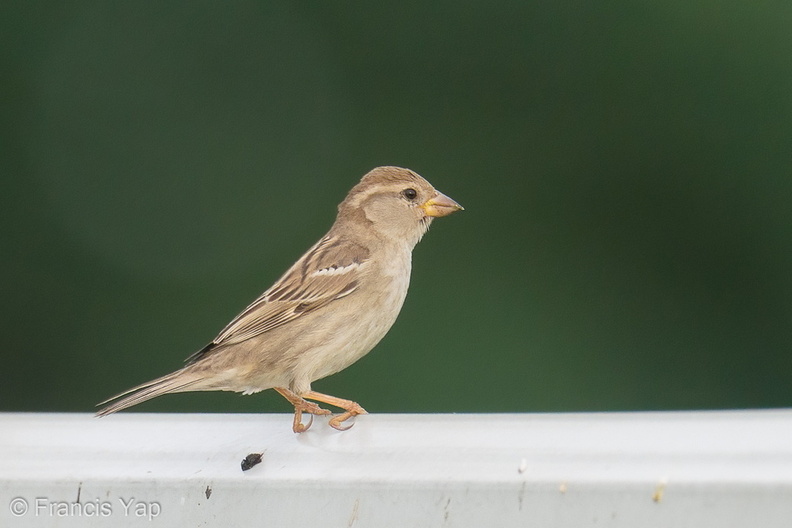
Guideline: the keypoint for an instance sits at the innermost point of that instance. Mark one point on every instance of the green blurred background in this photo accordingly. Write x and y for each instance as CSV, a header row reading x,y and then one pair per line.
x,y
625,168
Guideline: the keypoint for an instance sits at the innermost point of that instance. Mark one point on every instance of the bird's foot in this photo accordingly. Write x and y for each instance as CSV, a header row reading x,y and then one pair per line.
x,y
301,406
336,421
299,427
351,408
306,407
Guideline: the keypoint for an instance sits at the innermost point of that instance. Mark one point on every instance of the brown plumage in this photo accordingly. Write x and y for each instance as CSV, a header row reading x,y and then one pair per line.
x,y
326,312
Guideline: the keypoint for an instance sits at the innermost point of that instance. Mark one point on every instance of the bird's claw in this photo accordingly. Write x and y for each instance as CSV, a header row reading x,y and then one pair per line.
x,y
301,405
300,427
311,409
336,421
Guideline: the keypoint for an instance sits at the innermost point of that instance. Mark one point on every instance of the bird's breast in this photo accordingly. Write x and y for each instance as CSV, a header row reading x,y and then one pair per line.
x,y
367,316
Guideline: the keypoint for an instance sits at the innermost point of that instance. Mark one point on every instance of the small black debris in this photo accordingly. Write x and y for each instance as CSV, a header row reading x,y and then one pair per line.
x,y
251,460
208,492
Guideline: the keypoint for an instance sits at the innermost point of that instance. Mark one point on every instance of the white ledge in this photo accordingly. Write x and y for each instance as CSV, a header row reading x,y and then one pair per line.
x,y
731,468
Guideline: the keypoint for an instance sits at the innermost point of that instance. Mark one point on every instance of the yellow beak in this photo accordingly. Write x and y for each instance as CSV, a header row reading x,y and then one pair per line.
x,y
440,205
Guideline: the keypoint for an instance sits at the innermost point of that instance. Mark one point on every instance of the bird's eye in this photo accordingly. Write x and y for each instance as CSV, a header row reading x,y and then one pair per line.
x,y
410,194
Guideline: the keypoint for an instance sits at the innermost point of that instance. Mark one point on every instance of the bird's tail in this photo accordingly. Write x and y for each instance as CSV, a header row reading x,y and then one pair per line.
x,y
179,381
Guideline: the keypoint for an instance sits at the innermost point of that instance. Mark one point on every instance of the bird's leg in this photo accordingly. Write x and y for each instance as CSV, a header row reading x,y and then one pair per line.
x,y
300,406
351,408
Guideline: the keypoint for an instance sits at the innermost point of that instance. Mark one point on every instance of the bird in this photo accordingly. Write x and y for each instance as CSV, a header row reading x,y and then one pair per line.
x,y
326,312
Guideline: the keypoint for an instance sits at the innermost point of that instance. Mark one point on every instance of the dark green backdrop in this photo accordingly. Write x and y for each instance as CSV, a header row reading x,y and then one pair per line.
x,y
626,169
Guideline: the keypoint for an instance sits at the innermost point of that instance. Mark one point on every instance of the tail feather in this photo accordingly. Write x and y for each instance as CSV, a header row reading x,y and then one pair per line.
x,y
177,381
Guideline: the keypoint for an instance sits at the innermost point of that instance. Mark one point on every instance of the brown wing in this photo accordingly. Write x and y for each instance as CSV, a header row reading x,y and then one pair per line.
x,y
329,271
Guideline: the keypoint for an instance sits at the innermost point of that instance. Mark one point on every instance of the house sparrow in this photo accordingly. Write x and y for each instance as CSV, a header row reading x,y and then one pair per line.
x,y
326,312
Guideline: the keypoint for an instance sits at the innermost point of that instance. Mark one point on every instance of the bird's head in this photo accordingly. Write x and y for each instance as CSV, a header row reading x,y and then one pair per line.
x,y
396,202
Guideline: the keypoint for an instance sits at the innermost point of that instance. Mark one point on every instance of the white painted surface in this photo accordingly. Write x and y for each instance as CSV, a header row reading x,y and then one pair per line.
x,y
673,469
